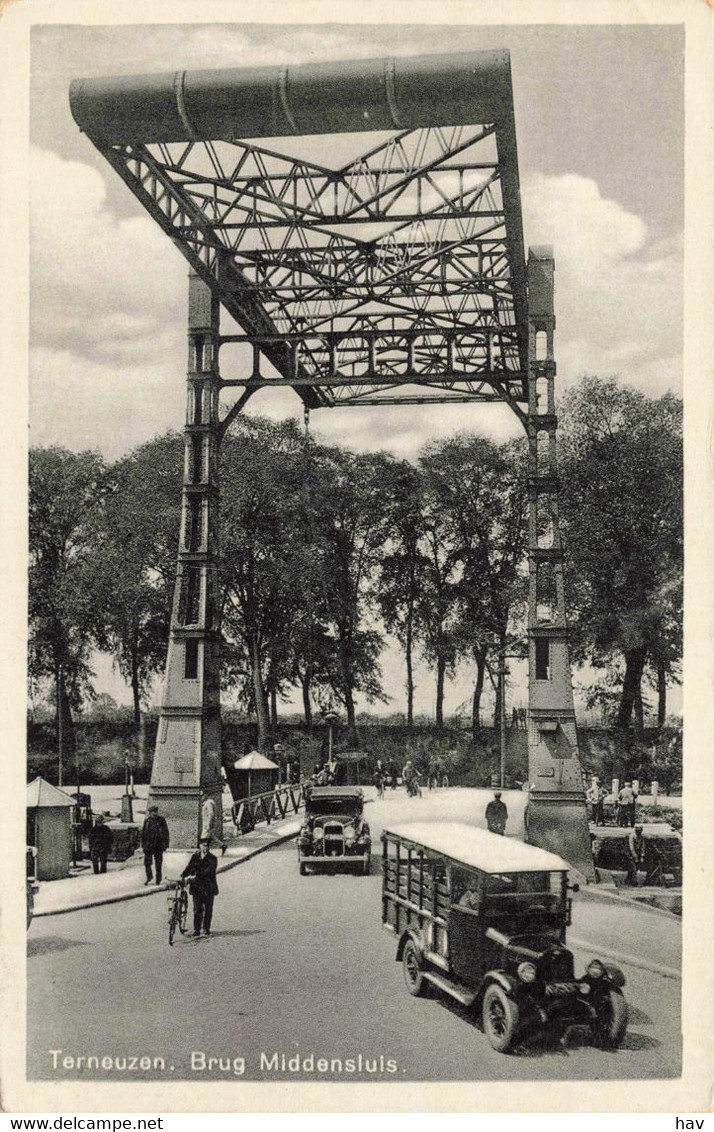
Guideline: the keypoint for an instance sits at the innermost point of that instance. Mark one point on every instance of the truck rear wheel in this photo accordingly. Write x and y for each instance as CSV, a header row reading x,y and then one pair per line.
x,y
411,965
501,1017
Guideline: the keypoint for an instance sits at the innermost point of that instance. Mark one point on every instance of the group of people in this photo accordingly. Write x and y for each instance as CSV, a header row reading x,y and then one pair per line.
x,y
626,803
200,872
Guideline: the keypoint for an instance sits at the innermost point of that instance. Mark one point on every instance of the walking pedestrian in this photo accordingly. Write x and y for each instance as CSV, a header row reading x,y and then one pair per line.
x,y
496,814
100,842
209,822
154,842
200,872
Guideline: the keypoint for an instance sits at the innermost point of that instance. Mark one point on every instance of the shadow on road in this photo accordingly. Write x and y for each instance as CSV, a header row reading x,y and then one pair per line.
x,y
218,935
51,943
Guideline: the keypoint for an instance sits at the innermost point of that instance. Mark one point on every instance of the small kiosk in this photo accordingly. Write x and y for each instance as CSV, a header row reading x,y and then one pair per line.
x,y
49,828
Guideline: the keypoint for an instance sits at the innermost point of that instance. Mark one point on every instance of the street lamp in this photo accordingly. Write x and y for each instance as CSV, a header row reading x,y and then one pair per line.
x,y
331,718
502,673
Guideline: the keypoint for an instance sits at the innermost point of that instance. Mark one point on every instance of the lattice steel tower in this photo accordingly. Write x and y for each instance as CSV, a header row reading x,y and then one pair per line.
x,y
394,274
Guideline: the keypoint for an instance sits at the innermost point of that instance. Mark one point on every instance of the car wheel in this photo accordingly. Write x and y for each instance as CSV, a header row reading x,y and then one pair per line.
x,y
413,973
611,1021
303,869
501,1017
366,867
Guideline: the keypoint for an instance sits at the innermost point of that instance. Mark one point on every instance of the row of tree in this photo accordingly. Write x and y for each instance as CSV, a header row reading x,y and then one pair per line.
x,y
323,551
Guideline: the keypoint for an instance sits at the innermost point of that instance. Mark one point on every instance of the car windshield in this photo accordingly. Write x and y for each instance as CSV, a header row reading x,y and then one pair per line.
x,y
325,807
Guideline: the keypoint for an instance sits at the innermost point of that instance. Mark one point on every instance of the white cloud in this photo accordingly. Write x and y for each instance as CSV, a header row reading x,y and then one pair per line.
x,y
103,286
618,298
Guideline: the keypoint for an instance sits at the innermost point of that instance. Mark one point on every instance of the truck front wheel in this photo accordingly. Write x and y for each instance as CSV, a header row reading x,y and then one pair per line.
x,y
501,1017
611,1021
411,965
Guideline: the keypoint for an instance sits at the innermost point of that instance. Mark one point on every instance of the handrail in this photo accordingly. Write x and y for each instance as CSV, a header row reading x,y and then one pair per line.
x,y
274,805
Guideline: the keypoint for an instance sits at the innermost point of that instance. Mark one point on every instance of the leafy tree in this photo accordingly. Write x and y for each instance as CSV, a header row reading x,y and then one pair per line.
x,y
137,566
402,568
437,609
264,559
350,494
476,538
66,620
621,479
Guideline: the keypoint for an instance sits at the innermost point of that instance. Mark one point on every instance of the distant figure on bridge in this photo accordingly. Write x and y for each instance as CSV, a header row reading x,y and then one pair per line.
x,y
626,805
200,872
392,774
596,796
154,842
100,842
496,814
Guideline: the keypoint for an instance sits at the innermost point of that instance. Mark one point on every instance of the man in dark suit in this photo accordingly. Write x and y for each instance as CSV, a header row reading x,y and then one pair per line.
x,y
154,842
200,872
100,843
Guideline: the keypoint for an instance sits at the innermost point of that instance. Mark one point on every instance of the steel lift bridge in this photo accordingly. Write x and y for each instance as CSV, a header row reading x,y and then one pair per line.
x,y
397,276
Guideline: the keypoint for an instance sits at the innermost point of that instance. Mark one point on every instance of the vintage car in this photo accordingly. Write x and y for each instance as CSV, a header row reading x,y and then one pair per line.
x,y
483,918
334,831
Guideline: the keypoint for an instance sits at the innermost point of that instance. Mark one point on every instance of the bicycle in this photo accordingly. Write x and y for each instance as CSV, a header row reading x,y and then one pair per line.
x,y
178,909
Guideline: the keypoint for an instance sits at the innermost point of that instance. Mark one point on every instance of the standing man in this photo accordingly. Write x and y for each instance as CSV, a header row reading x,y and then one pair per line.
x,y
626,805
154,842
595,797
496,814
100,842
200,872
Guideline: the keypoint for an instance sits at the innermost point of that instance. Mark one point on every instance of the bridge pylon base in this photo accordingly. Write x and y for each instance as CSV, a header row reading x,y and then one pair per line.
x,y
558,822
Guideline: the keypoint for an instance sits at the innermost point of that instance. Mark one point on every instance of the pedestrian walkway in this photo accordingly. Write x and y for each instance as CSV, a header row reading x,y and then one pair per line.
x,y
126,881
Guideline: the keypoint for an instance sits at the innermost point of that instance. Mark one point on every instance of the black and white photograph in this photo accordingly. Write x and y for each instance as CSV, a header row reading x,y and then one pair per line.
x,y
361,692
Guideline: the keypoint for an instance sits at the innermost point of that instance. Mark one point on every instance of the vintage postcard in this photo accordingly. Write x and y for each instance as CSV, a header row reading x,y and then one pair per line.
x,y
356,563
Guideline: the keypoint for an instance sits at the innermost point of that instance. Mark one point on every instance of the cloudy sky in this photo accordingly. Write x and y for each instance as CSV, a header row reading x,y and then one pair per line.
x,y
599,118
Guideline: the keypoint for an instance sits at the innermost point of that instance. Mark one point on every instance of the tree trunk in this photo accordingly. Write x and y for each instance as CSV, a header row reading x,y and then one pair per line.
x,y
273,709
65,727
259,694
634,665
440,677
135,686
410,675
306,705
478,691
639,714
661,695
350,709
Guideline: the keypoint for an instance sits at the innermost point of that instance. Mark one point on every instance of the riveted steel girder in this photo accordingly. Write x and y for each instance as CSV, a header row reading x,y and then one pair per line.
x,y
399,272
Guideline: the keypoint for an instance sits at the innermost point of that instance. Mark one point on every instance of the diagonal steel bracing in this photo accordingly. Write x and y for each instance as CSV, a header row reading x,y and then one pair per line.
x,y
394,274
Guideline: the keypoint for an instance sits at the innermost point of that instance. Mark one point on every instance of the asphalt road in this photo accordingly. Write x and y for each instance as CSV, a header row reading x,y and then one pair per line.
x,y
297,968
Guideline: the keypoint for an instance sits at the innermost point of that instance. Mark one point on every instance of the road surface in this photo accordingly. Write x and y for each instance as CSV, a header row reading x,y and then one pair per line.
x,y
298,970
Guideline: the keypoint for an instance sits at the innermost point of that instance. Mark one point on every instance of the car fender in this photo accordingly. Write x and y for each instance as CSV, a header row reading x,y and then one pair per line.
x,y
417,938
509,984
614,975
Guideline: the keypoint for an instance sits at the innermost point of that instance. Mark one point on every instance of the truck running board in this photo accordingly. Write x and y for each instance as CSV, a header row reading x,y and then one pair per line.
x,y
461,993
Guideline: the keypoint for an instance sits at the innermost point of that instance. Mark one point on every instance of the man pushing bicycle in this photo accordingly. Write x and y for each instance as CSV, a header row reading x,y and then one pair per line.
x,y
200,872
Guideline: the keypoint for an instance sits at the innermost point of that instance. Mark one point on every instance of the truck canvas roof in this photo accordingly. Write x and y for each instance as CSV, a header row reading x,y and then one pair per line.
x,y
477,848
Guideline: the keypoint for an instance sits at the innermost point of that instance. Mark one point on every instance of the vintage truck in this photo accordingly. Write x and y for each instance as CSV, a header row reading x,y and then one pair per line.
x,y
483,918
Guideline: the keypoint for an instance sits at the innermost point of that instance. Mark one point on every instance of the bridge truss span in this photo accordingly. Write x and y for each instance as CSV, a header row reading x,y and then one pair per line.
x,y
360,222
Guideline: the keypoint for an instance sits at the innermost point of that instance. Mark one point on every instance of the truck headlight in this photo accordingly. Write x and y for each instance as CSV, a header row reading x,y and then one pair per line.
x,y
595,969
527,972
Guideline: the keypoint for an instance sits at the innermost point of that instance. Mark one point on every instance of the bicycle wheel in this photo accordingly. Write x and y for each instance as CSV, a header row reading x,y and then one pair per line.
x,y
173,921
183,912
